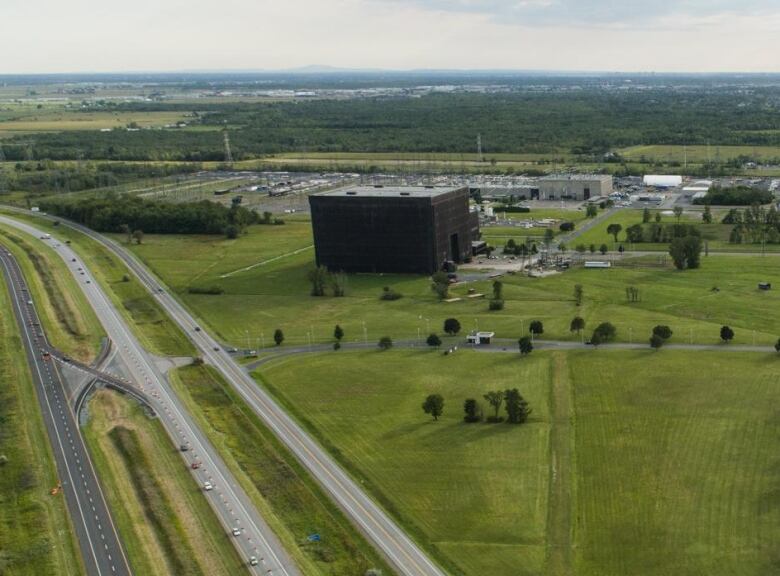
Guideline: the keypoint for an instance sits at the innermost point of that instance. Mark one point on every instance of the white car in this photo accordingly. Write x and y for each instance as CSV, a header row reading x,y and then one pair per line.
x,y
236,532
253,560
208,486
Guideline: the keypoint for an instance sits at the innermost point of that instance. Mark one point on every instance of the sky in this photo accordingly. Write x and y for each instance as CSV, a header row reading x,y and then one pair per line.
x,y
42,36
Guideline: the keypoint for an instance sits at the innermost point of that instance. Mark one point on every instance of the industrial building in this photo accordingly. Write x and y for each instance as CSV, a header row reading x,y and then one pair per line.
x,y
393,229
572,187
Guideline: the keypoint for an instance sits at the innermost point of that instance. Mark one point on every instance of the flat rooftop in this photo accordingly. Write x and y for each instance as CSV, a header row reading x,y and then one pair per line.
x,y
577,177
392,191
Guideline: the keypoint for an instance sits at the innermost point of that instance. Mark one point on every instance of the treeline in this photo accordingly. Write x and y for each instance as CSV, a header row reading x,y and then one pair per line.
x,y
659,233
586,122
48,177
754,225
123,213
735,196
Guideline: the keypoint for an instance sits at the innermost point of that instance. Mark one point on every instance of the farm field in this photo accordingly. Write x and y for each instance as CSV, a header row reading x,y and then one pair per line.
x,y
168,528
675,467
274,293
36,536
475,495
26,120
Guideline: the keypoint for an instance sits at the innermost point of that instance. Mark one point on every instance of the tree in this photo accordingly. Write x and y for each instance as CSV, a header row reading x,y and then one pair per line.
x,y
614,229
472,410
317,277
498,289
278,336
591,211
678,212
517,409
562,248
525,345
495,398
577,325
603,249
125,229
656,342
707,215
658,217
662,331
548,237
338,283
605,331
433,340
592,248
338,333
578,293
434,405
581,249
385,343
440,284
726,334
231,231
686,252
536,327
777,345
451,326
635,233
645,216
138,235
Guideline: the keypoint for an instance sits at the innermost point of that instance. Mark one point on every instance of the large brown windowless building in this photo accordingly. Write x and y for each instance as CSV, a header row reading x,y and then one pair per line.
x,y
392,229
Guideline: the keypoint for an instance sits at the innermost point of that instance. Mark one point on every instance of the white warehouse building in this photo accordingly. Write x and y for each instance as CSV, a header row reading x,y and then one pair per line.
x,y
662,181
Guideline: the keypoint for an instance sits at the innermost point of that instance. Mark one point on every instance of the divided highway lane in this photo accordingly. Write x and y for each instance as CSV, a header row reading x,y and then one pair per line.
x,y
249,532
404,554
100,546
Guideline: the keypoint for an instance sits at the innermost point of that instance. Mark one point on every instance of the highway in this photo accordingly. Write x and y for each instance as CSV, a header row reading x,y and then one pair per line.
x,y
98,540
230,502
404,554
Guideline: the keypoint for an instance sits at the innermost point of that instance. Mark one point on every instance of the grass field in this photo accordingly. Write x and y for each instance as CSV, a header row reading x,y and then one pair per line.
x,y
165,523
677,463
69,322
153,328
26,120
36,536
667,462
273,295
287,497
475,495
698,154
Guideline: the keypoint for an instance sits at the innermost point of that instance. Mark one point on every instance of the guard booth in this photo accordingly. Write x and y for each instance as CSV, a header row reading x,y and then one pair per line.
x,y
480,337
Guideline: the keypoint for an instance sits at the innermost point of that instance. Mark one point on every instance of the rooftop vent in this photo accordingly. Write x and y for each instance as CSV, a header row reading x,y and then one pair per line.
x,y
428,186
352,193
379,185
405,194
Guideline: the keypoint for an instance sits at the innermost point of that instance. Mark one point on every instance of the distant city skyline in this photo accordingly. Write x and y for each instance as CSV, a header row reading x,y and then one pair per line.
x,y
48,36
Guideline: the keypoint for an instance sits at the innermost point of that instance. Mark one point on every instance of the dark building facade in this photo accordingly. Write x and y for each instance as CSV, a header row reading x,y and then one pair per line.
x,y
392,229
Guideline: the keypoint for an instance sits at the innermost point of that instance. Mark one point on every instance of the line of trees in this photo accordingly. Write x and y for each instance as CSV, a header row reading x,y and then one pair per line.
x,y
117,213
515,405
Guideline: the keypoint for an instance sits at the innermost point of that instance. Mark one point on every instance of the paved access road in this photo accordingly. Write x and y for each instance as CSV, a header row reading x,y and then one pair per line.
x,y
100,546
229,501
404,554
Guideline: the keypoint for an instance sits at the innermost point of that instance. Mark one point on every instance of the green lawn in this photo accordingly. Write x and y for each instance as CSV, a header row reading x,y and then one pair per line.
x,y
677,463
475,495
36,535
672,466
285,494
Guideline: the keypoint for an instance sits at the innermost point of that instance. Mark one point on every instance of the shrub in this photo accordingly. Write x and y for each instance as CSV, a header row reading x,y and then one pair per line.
x,y
389,294
214,290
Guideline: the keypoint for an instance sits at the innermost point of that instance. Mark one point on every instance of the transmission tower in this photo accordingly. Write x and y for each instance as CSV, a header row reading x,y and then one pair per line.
x,y
228,155
480,157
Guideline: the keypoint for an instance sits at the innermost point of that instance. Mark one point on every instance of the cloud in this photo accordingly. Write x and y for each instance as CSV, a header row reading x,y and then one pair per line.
x,y
608,13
